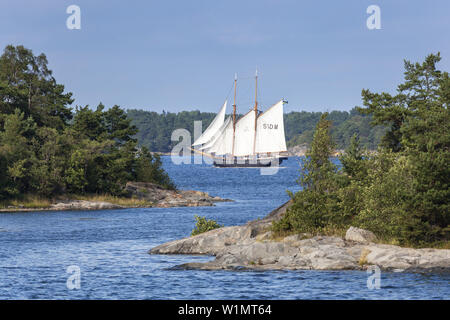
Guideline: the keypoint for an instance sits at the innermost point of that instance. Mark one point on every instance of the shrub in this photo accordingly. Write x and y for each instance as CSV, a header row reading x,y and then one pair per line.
x,y
386,196
204,225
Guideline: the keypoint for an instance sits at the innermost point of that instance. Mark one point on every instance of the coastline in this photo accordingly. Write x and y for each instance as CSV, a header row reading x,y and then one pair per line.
x,y
252,247
140,195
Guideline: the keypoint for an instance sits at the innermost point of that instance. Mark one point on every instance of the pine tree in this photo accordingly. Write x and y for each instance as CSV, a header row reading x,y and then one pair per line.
x,y
317,168
352,159
314,207
27,84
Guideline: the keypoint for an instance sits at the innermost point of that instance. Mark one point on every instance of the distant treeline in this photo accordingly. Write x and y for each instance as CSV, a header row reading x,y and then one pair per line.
x,y
300,126
155,129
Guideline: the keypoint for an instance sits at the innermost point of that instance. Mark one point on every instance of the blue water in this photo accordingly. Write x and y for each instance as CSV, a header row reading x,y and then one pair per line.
x,y
110,248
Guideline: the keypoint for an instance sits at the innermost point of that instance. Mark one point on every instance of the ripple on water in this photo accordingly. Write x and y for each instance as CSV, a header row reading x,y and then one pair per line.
x,y
110,247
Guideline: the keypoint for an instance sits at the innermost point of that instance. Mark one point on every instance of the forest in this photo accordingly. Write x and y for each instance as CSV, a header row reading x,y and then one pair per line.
x,y
48,148
155,129
402,191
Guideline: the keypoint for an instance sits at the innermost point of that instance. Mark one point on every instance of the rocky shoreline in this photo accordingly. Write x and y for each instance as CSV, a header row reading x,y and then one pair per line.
x,y
300,151
151,194
163,198
251,247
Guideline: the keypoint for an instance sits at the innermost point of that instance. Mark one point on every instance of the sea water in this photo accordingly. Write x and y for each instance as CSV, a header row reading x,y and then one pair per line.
x,y
105,253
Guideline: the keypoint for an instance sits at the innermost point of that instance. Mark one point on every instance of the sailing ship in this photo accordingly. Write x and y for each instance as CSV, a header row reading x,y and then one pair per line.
x,y
254,140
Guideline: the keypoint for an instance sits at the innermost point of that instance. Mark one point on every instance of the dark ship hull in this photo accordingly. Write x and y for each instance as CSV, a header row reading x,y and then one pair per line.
x,y
249,163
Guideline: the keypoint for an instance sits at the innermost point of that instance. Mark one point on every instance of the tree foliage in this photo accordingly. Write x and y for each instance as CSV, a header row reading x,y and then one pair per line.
x,y
313,208
47,149
203,225
402,192
27,84
317,169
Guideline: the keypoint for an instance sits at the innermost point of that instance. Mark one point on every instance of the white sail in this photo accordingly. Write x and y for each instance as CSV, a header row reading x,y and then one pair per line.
x,y
216,136
213,127
245,135
270,130
224,142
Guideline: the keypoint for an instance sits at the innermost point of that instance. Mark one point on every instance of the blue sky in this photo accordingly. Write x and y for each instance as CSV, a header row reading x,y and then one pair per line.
x,y
182,55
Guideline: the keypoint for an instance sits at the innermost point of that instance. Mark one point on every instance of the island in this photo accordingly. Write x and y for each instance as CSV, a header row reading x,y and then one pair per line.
x,y
252,246
139,195
55,157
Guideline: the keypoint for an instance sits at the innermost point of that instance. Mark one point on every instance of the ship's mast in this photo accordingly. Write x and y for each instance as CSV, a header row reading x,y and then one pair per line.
x,y
255,108
234,112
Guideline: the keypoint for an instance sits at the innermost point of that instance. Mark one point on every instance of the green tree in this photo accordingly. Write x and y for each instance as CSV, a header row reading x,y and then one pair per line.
x,y
43,152
402,192
149,169
89,123
318,168
15,145
76,173
27,84
49,158
119,126
386,197
314,207
353,159
421,180
420,88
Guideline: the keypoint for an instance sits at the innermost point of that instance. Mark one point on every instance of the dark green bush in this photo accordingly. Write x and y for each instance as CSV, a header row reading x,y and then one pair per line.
x,y
204,225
